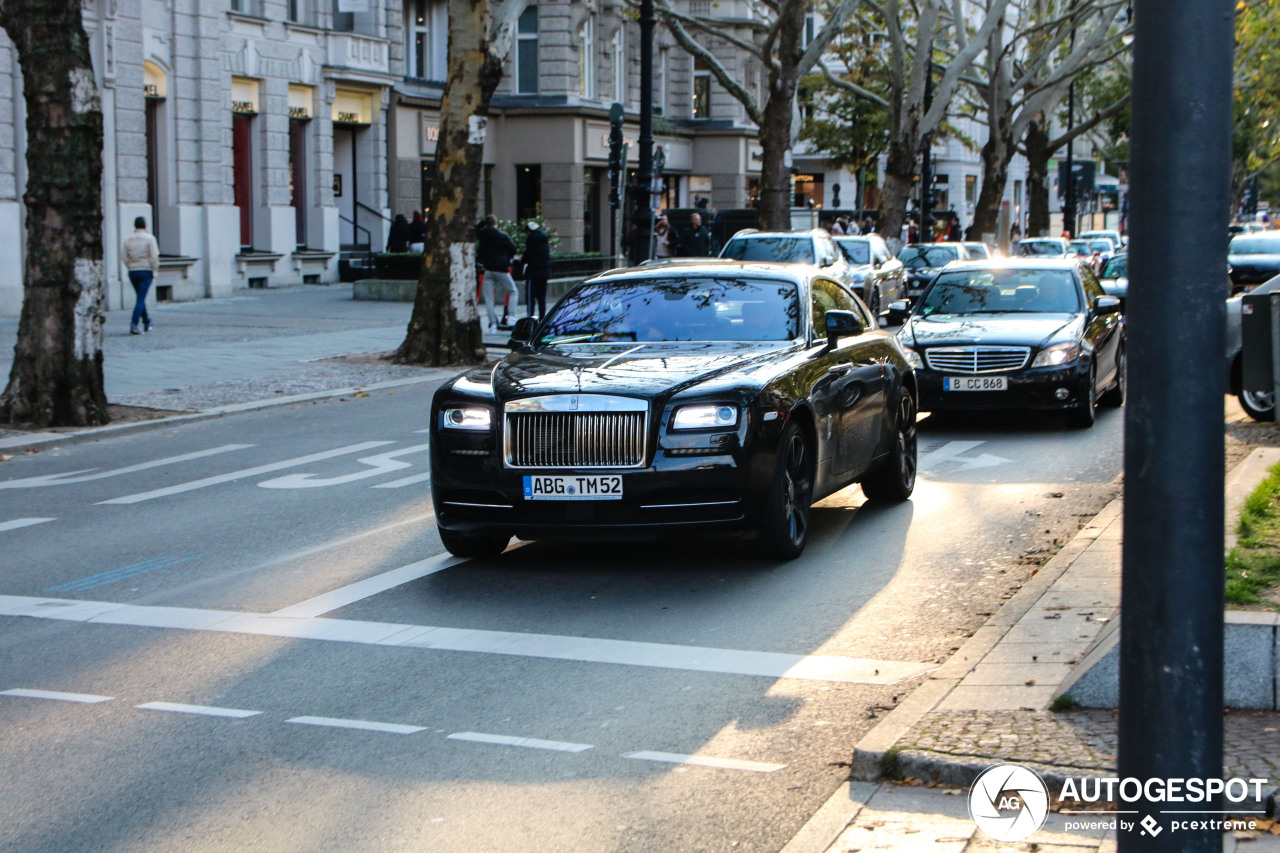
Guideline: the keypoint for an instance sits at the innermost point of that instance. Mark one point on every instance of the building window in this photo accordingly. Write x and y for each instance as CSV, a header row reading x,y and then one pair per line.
x,y
701,89
527,52
970,188
298,177
586,59
660,81
619,60
242,173
528,191
297,12
810,27
426,30
247,7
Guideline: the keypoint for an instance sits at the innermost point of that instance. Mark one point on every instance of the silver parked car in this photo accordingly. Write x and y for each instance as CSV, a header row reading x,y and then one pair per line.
x,y
879,277
814,246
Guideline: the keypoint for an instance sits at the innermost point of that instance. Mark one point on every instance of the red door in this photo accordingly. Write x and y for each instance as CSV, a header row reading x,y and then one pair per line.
x,y
242,174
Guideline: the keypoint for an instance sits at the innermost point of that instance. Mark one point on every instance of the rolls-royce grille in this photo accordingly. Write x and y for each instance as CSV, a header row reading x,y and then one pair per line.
x,y
977,359
575,439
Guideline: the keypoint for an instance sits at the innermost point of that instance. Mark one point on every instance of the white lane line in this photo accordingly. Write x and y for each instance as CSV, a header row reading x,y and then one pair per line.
x,y
407,481
83,475
360,590
705,761
206,710
824,668
18,523
527,742
247,472
84,698
366,725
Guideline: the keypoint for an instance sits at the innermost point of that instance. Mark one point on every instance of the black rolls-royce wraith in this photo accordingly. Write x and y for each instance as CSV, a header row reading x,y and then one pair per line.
x,y
665,399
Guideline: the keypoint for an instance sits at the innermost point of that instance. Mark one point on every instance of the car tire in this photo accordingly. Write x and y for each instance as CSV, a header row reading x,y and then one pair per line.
x,y
1258,405
895,478
786,523
874,304
1084,416
1114,396
473,545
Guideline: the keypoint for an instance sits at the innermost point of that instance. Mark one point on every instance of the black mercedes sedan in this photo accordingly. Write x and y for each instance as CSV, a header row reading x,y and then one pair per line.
x,y
665,399
1018,334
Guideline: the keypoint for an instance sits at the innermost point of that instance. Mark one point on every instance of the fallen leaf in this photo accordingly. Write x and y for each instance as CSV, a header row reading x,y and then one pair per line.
x,y
1029,682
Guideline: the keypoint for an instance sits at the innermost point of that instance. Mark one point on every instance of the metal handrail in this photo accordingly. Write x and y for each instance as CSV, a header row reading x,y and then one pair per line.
x,y
374,211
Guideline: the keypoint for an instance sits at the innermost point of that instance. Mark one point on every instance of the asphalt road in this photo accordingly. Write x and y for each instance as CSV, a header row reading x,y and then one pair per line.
x,y
328,679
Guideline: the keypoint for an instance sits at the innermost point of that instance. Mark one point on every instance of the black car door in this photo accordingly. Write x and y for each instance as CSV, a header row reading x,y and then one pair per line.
x,y
1102,332
854,384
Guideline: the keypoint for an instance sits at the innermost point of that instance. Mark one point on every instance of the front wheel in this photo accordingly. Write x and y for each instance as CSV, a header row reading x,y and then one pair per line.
x,y
1084,416
786,521
473,545
1259,405
895,478
873,302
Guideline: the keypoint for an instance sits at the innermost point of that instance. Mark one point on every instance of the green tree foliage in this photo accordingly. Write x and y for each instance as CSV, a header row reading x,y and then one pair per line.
x,y
1256,144
850,128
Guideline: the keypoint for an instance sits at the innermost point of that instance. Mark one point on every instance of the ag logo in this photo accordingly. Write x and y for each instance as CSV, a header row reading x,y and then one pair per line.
x,y
1008,802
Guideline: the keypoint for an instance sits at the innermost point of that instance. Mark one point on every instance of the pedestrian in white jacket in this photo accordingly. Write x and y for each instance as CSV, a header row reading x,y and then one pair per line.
x,y
142,260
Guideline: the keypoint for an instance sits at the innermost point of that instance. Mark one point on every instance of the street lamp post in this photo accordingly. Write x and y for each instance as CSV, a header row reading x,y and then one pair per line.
x,y
644,179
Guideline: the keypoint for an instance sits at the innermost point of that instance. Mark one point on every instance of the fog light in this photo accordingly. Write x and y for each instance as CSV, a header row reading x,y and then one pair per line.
x,y
1062,393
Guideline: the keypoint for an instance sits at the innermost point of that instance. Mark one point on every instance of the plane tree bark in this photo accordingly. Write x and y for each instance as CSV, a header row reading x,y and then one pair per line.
x,y
56,378
444,328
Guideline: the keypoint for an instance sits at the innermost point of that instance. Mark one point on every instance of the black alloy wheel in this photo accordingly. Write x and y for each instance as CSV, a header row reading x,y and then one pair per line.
x,y
875,303
1114,397
1084,415
473,545
895,478
786,521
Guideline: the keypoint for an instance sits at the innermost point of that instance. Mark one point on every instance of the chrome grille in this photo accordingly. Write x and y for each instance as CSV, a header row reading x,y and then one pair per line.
x,y
576,431
977,359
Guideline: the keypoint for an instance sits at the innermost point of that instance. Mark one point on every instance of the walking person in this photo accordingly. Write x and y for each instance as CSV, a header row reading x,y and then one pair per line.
x,y
418,233
494,251
537,268
142,260
662,238
398,235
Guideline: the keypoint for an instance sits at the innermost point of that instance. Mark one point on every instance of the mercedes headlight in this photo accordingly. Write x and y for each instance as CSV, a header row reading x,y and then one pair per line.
x,y
1057,355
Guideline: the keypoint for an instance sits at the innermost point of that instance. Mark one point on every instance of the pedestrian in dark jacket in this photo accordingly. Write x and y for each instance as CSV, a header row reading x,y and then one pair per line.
x,y
494,251
398,236
696,240
537,268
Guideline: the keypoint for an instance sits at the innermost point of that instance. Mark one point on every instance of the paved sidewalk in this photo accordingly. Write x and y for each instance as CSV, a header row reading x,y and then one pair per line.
x,y
988,704
258,346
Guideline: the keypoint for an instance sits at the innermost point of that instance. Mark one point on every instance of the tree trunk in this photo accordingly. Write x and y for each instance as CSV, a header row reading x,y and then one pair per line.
x,y
899,178
1037,143
56,379
995,176
445,326
775,178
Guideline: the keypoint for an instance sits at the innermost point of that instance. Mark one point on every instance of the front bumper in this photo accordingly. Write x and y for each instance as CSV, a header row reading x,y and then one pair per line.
x,y
1032,388
673,495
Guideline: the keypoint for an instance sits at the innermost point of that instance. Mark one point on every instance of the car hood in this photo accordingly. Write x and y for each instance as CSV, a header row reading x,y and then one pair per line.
x,y
634,370
1028,330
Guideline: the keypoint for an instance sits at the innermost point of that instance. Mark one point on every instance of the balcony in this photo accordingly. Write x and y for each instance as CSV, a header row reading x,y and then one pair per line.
x,y
359,53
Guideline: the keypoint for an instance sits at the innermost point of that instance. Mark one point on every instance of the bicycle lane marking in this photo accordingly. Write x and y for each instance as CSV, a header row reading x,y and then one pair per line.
x,y
84,475
245,473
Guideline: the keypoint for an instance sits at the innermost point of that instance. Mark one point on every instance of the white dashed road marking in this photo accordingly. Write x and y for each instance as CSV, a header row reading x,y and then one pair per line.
x,y
205,710
361,590
705,761
527,742
83,698
366,725
19,523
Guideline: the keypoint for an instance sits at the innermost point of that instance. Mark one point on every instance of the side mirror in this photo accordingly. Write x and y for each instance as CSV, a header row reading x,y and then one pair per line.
x,y
898,312
522,334
842,324
1106,304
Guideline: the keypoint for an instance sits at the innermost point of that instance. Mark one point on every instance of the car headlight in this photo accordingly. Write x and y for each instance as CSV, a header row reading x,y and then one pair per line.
x,y
473,418
913,358
1057,355
705,417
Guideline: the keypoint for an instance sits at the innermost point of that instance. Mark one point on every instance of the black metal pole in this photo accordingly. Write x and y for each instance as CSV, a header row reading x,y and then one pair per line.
x,y
1069,186
644,179
1171,646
